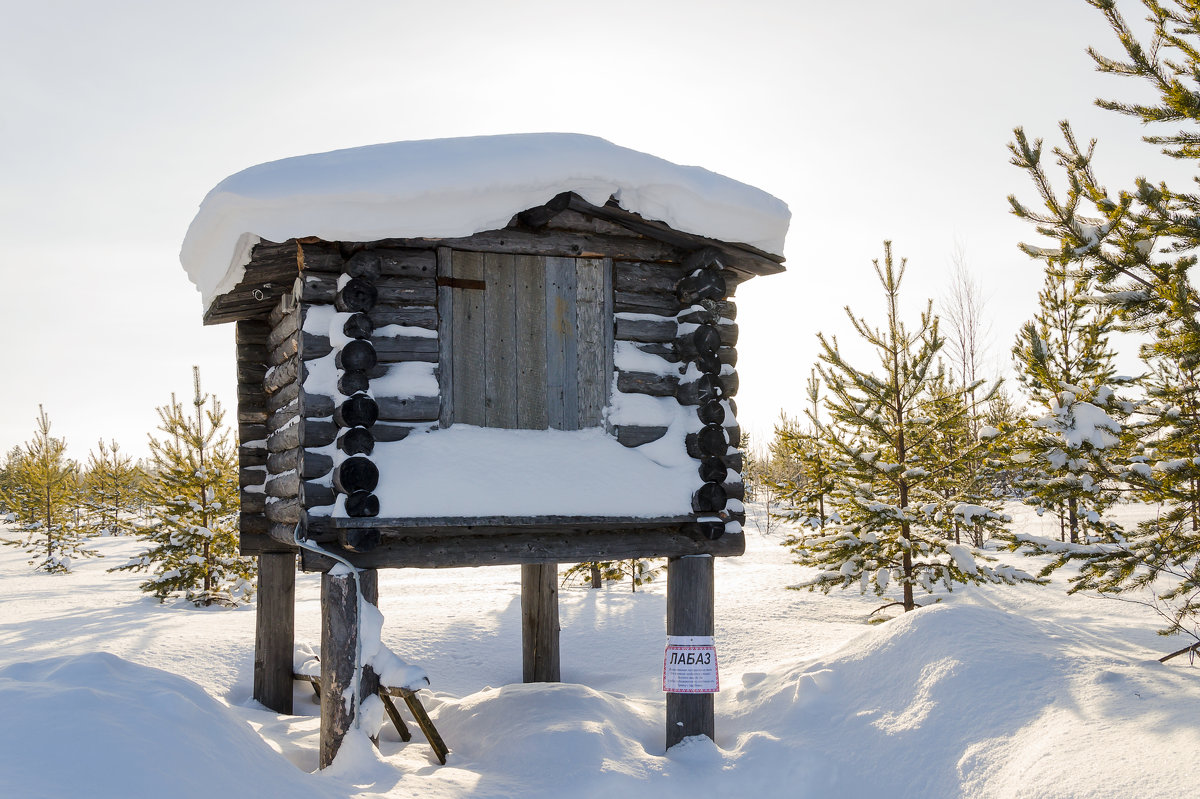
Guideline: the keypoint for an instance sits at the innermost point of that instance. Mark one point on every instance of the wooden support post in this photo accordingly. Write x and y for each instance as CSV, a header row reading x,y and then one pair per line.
x,y
339,640
539,622
690,599
274,631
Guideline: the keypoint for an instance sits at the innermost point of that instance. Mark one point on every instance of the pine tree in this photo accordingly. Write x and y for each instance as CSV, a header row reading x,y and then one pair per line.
x,y
42,489
882,482
1066,366
802,475
193,542
111,483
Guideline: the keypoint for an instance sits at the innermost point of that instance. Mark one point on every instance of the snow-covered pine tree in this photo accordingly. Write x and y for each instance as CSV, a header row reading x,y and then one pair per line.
x,y
1066,366
111,482
42,489
193,485
882,480
803,488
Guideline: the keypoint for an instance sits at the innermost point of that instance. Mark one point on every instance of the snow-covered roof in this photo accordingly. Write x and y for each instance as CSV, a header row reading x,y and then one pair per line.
x,y
447,188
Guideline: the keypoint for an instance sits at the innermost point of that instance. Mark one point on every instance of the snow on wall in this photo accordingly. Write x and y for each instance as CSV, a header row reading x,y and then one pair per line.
x,y
458,187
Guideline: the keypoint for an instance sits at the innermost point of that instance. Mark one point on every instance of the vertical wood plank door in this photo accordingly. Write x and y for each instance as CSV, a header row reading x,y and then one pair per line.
x,y
531,340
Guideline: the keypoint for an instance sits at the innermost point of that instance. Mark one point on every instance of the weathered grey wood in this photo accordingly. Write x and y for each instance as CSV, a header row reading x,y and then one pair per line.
x,y
390,432
251,416
425,316
409,409
690,611
647,383
592,329
282,375
252,455
550,243
607,316
339,641
318,288
645,278
562,386
283,485
635,436
316,495
308,433
440,750
539,623
274,631
647,330
253,501
284,511
630,302
692,442
500,341
394,349
468,336
255,544
445,328
530,320
252,523
284,397
406,291
562,545
287,327
319,256
283,416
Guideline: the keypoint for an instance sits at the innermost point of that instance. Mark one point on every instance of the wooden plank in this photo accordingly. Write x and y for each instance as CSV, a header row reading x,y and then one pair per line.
x,y
562,388
469,349
592,329
539,623
500,343
557,546
690,603
530,320
552,243
445,328
609,333
274,631
339,640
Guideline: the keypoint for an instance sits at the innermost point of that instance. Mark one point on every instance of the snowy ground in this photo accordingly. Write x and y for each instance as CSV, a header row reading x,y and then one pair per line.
x,y
996,692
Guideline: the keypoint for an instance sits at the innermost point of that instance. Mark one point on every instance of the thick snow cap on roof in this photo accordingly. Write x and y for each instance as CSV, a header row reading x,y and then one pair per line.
x,y
447,188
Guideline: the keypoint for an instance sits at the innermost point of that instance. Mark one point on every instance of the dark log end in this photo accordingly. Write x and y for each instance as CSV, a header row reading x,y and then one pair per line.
x,y
362,504
713,470
356,441
710,530
357,355
357,295
353,382
712,412
363,264
713,441
359,410
703,258
359,325
706,339
356,474
709,498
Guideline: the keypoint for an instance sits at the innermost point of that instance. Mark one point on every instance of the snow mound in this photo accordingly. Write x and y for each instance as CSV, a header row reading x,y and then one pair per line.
x,y
456,187
120,729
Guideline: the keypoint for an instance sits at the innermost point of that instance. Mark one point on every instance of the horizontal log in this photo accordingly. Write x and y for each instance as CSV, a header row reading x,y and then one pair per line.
x,y
646,330
284,511
391,432
561,243
668,352
704,284
318,495
352,381
252,416
308,433
290,371
406,291
397,262
252,476
425,316
644,278
284,485
319,256
363,264
358,325
707,388
631,302
316,288
252,501
710,312
251,373
282,417
252,456
285,396
251,544
252,523
248,433
647,383
703,258
251,351
499,547
735,490
409,409
713,470
359,539
284,306
635,436
287,328
397,349
711,412
311,466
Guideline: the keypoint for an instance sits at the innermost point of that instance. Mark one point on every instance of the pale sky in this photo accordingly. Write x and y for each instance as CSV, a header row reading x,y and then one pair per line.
x,y
873,120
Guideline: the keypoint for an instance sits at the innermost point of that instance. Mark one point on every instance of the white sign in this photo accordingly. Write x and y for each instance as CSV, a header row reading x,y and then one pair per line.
x,y
690,665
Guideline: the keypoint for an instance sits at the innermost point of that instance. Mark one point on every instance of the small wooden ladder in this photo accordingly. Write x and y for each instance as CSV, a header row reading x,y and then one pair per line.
x,y
414,706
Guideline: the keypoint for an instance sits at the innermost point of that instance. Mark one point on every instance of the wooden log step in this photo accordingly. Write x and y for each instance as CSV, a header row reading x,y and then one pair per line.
x,y
643,278
635,436
646,383
409,409
630,302
425,316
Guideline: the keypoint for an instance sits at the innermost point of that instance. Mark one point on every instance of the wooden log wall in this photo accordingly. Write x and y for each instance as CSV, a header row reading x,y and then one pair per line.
x,y
251,343
683,315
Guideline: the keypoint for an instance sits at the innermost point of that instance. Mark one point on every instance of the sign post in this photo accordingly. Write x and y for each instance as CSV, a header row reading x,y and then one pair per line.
x,y
690,662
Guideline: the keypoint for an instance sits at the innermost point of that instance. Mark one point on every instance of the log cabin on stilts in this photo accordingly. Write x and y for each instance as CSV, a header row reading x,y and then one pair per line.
x,y
481,351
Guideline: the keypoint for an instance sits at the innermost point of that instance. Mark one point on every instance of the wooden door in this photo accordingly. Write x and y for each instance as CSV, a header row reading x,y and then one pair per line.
x,y
527,340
